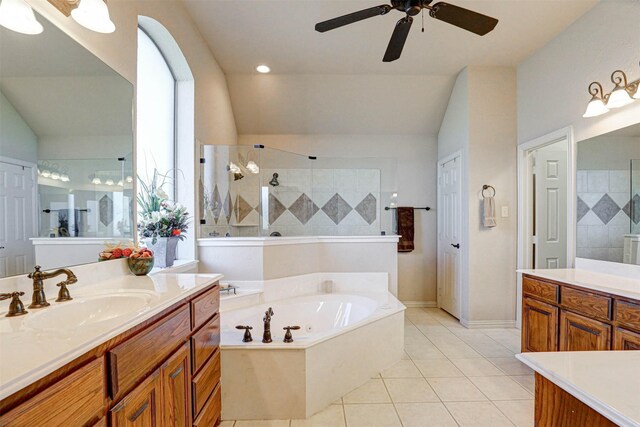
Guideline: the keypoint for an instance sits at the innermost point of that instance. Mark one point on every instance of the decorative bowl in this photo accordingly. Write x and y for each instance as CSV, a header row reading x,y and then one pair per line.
x,y
140,266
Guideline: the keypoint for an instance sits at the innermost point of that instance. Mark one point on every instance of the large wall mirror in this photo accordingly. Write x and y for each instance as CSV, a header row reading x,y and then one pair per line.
x,y
608,197
66,169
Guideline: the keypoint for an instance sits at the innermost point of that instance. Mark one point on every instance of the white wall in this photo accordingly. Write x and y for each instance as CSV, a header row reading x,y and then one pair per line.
x,y
553,82
480,121
17,140
415,156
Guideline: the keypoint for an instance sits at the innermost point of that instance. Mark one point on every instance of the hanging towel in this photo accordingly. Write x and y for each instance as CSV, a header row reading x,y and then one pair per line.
x,y
489,212
404,219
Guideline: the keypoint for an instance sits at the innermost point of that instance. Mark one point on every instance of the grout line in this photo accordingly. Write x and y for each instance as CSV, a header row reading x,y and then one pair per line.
x,y
344,413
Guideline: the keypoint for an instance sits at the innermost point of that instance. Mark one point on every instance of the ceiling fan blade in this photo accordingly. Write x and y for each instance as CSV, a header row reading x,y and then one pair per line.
x,y
464,18
352,17
398,38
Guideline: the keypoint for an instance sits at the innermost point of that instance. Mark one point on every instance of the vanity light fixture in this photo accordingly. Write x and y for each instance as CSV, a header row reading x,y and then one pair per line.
x,y
17,15
263,69
64,177
624,93
96,181
94,15
129,179
55,175
109,181
46,173
120,183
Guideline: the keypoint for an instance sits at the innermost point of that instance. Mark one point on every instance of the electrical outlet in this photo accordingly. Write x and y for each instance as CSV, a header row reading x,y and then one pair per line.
x,y
505,211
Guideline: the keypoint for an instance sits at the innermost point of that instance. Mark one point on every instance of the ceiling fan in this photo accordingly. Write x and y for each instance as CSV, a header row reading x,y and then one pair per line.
x,y
460,17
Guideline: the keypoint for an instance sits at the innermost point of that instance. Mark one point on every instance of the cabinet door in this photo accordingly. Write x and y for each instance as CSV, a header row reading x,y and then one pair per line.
x,y
539,326
141,407
625,340
176,396
579,333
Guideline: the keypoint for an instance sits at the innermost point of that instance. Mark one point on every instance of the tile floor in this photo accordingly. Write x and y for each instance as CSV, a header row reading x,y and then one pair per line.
x,y
449,376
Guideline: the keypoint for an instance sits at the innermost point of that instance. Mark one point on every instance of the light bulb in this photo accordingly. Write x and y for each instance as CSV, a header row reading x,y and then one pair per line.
x,y
595,108
55,175
46,173
120,184
619,98
109,182
263,69
233,168
64,178
18,16
129,179
96,181
253,167
94,15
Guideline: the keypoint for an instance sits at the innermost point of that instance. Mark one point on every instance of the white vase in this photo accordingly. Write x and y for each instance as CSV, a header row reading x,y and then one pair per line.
x,y
164,250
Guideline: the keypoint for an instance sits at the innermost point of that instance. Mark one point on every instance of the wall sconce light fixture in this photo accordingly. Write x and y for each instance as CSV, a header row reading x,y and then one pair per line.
x,y
17,15
91,14
624,93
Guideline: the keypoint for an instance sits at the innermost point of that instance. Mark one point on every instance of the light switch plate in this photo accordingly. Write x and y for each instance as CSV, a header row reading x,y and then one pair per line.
x,y
505,211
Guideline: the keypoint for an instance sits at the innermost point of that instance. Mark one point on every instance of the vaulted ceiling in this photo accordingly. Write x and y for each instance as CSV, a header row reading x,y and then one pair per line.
x,y
336,82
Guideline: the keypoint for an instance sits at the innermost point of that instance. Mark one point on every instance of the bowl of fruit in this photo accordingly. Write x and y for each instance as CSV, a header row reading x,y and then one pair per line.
x,y
140,261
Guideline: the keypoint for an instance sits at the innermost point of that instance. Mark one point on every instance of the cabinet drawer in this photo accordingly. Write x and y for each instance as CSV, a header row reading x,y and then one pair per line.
x,y
76,400
211,411
135,358
586,303
625,340
205,306
205,382
579,333
205,342
628,313
543,290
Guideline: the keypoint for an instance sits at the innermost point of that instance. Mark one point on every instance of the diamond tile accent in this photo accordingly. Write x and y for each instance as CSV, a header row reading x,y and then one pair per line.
x,y
276,208
106,210
606,209
216,204
227,207
303,208
337,208
242,209
632,209
581,209
367,208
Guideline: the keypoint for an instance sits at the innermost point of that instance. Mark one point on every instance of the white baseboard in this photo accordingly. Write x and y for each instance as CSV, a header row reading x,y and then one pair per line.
x,y
420,304
476,324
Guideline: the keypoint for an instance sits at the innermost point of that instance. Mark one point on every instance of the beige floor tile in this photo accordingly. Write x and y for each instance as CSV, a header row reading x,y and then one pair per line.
x,y
423,351
402,369
425,414
526,381
333,416
226,424
438,368
262,423
493,350
476,367
456,389
477,414
459,352
373,391
337,402
409,390
501,388
510,365
520,412
371,416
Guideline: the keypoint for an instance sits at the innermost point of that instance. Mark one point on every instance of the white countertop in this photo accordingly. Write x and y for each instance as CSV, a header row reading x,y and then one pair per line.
x,y
617,285
29,350
607,381
293,240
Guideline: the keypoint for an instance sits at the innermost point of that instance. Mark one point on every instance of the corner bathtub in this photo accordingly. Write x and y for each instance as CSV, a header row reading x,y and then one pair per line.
x,y
344,340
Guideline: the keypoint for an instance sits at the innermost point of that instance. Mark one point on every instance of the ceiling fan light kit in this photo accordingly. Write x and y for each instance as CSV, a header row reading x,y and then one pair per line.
x,y
460,17
624,93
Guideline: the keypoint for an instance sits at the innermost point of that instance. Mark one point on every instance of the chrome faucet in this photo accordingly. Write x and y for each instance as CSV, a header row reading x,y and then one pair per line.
x,y
39,300
266,336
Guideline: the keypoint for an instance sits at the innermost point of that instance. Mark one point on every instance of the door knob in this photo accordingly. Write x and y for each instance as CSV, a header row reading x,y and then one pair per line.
x,y
457,245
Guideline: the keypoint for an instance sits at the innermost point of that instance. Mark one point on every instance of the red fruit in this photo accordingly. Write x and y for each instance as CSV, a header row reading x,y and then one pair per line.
x,y
126,252
117,253
149,251
176,232
146,255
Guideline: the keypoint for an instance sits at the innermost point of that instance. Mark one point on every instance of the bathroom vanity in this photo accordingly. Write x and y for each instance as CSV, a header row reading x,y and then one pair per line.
x,y
150,357
579,310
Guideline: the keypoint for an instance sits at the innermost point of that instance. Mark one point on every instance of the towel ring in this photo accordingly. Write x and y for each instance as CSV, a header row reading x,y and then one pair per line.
x,y
486,187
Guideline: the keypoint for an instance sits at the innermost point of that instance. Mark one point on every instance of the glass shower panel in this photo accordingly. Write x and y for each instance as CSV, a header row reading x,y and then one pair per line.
x,y
635,197
86,198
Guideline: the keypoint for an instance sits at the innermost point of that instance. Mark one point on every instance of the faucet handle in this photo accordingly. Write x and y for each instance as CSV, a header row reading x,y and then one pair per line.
x,y
247,332
36,270
16,307
63,293
288,337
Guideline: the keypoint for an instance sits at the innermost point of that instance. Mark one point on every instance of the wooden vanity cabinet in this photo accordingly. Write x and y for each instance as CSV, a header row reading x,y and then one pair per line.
x,y
561,317
145,377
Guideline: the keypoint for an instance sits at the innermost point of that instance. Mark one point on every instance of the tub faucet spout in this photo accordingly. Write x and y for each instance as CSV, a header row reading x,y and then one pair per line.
x,y
266,336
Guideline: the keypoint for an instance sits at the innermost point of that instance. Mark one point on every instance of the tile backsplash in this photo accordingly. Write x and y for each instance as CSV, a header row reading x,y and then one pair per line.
x,y
605,211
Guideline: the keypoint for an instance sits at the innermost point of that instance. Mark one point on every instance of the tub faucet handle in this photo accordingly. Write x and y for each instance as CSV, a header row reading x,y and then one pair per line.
x,y
247,332
287,336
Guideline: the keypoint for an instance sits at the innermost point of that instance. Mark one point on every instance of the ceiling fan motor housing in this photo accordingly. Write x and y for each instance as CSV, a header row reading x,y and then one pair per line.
x,y
410,7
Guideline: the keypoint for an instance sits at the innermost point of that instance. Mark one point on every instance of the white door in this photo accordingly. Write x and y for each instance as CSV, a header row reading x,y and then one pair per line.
x,y
16,219
550,232
449,235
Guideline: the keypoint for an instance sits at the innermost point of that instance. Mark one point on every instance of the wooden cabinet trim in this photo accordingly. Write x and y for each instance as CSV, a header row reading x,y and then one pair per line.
x,y
587,303
548,313
210,414
600,331
205,342
205,382
627,314
176,388
625,340
548,292
204,307
142,400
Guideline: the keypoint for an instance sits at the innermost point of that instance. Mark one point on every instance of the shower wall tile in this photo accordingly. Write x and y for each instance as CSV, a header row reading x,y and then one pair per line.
x,y
620,181
322,179
598,181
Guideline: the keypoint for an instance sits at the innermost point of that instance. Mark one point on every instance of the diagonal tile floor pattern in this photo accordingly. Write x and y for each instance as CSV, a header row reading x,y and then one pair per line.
x,y
449,376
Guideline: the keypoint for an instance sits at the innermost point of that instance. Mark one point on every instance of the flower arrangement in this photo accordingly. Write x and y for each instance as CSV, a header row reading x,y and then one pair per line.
x,y
158,216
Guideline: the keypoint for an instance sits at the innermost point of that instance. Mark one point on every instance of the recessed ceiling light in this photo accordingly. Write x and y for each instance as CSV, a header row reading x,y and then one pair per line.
x,y
263,69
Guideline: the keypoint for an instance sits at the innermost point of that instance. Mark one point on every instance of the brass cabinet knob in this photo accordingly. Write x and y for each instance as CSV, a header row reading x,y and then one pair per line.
x,y
16,307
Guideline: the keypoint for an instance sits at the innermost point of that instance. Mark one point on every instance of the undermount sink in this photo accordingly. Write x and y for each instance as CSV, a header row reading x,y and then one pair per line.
x,y
89,310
